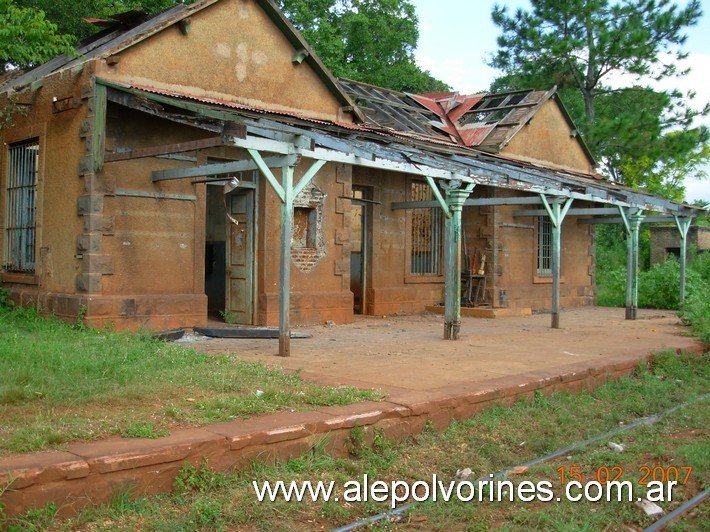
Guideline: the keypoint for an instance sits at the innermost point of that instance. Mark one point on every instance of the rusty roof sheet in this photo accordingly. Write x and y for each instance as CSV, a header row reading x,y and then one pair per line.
x,y
396,111
484,121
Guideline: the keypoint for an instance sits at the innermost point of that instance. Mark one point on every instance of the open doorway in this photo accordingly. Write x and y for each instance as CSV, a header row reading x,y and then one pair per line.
x,y
360,246
229,253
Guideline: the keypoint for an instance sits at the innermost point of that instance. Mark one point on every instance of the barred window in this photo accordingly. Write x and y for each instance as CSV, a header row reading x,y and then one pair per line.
x,y
20,204
427,234
544,247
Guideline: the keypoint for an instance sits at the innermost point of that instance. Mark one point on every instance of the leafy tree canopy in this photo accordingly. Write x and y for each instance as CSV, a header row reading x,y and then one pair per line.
x,y
68,15
27,37
644,137
366,40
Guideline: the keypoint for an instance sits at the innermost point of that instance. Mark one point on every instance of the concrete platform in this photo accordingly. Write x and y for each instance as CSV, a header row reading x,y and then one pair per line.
x,y
427,380
486,312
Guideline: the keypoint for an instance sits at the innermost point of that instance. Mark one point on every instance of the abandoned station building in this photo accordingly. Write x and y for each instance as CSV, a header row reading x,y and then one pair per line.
x,y
204,161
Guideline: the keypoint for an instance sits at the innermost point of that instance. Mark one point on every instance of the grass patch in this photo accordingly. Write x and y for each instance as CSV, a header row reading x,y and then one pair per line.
x,y
62,383
499,438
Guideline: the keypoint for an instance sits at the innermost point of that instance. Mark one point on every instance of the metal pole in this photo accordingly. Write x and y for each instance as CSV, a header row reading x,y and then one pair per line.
x,y
683,225
452,256
632,269
630,315
449,280
557,212
556,256
285,266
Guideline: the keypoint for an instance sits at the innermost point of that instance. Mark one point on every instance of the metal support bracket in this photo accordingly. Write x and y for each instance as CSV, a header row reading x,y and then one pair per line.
x,y
437,194
557,212
286,191
683,224
632,219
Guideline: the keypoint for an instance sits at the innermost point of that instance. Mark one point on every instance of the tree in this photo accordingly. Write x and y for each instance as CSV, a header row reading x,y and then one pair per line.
x,y
367,40
586,47
68,15
28,38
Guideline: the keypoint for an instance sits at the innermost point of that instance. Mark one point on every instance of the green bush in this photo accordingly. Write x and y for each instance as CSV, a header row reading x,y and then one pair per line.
x,y
659,286
6,302
611,287
696,313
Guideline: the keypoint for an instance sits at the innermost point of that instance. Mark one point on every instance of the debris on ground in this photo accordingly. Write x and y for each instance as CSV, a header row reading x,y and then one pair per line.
x,y
651,509
616,447
462,475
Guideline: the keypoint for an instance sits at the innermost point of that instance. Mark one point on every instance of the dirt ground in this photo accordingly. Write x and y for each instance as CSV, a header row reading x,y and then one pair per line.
x,y
408,353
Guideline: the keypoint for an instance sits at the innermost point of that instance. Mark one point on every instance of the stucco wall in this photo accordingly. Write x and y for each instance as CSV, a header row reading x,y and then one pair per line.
x,y
232,52
516,269
548,138
58,186
391,290
321,291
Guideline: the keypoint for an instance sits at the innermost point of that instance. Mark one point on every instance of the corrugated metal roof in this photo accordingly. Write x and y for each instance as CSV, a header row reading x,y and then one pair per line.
x,y
394,110
428,154
484,121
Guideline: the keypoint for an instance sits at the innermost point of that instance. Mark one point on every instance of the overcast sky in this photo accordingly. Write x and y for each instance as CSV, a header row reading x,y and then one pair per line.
x,y
456,36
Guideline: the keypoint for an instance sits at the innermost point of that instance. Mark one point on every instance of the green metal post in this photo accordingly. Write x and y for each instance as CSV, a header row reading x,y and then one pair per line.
x,y
635,218
285,266
452,263
557,212
683,225
286,193
556,257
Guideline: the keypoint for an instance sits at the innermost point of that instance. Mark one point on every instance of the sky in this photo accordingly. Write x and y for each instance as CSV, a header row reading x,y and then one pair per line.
x,y
457,36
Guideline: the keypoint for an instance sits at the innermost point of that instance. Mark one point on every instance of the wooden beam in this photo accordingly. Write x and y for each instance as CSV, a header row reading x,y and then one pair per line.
x,y
571,212
166,149
154,195
619,220
474,202
220,168
99,126
683,225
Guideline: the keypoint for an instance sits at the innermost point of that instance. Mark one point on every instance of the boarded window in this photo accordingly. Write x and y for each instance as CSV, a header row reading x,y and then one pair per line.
x,y
427,234
544,247
304,227
20,204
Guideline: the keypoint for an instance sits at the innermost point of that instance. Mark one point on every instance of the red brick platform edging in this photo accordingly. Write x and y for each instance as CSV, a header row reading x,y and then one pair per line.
x,y
92,473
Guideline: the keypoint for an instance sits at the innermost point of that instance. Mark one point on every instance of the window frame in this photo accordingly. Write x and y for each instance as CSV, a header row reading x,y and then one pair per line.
x,y
542,277
439,242
18,266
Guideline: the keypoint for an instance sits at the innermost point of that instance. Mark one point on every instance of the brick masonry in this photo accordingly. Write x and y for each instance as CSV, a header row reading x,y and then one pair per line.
x,y
665,240
91,473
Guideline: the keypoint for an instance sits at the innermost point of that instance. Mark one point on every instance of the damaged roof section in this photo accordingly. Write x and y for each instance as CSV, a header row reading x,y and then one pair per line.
x,y
373,147
487,122
393,110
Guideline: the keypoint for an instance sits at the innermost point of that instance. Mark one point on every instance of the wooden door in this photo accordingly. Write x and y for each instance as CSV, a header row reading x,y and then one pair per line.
x,y
240,257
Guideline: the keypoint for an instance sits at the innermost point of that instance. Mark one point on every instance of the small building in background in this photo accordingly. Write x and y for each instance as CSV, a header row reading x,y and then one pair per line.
x,y
665,240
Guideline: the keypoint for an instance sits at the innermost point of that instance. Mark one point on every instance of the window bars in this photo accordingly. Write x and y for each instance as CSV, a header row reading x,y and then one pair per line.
x,y
20,206
544,246
427,234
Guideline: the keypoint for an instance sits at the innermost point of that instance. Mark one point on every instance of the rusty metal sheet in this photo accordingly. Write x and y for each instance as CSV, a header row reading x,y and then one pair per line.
x,y
475,135
464,106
